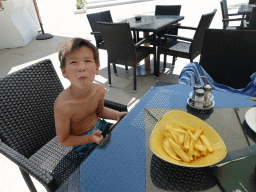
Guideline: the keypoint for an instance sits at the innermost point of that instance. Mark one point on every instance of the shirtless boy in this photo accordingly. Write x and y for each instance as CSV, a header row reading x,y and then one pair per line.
x,y
78,109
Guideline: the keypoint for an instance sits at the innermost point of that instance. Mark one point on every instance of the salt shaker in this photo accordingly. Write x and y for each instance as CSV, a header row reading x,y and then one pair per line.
x,y
207,94
196,87
199,99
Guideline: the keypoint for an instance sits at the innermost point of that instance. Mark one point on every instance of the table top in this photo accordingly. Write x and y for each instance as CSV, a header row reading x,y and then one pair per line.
x,y
153,23
124,162
245,8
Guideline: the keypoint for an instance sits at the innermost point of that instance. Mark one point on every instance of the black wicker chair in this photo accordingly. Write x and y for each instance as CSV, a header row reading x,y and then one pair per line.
x,y
104,16
27,128
226,19
168,10
164,10
252,22
228,56
252,1
121,48
187,47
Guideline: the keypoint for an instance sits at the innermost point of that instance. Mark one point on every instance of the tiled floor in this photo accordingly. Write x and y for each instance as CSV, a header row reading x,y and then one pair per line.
x,y
58,19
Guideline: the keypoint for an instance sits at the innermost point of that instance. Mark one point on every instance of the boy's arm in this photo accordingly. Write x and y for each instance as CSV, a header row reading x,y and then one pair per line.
x,y
106,113
62,126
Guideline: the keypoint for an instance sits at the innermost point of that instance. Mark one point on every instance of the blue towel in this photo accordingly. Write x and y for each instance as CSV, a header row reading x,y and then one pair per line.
x,y
191,72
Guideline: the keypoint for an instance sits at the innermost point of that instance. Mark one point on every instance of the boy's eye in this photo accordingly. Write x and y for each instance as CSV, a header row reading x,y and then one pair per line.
x,y
72,62
88,61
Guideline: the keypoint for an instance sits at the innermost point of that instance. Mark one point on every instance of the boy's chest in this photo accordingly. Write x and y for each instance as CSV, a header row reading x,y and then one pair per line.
x,y
81,110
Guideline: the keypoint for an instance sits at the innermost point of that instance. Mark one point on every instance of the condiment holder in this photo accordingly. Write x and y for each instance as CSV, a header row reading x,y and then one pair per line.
x,y
201,97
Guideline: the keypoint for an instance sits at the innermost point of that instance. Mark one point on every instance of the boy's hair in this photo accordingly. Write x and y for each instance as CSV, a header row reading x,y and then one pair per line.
x,y
73,44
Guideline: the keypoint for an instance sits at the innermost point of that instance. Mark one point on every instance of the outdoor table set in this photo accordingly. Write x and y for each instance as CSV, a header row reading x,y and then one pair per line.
x,y
153,24
129,160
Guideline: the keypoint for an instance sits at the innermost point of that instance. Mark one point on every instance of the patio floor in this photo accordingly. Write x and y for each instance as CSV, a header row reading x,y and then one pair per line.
x,y
60,21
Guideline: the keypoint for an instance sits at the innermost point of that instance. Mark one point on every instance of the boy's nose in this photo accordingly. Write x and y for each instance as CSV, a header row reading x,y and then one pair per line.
x,y
81,67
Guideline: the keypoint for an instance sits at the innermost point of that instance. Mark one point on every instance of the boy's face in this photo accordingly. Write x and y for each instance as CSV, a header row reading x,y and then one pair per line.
x,y
80,67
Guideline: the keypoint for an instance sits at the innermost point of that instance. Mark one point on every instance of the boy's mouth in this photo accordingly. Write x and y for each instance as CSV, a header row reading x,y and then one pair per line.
x,y
82,78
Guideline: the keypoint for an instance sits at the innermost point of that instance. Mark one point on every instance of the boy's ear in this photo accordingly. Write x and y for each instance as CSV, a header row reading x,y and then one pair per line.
x,y
64,74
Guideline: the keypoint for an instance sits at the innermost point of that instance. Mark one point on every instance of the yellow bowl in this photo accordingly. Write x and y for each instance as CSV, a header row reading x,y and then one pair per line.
x,y
180,117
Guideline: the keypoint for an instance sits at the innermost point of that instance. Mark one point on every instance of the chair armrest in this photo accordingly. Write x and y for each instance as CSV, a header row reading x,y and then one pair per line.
x,y
235,14
237,19
187,27
25,164
95,33
177,37
143,41
116,106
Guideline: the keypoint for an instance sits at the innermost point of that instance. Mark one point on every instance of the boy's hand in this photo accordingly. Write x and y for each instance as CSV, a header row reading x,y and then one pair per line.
x,y
97,137
120,115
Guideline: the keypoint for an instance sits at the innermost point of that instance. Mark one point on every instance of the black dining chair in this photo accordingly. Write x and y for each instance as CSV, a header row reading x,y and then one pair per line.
x,y
168,10
252,1
121,48
27,126
162,10
226,19
252,22
93,18
186,47
228,56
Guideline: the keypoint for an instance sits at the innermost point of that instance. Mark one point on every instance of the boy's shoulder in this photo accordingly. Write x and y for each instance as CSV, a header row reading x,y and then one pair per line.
x,y
62,101
99,87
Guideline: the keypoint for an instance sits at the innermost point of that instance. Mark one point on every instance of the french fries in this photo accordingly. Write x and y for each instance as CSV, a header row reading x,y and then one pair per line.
x,y
207,143
170,151
186,143
179,151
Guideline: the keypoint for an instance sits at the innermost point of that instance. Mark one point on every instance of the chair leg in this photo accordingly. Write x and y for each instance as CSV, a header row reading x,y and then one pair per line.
x,y
158,56
109,75
114,66
173,60
165,58
126,68
28,181
191,60
134,79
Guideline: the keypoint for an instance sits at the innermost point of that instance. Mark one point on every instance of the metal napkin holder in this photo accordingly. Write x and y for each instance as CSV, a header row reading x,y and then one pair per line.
x,y
208,102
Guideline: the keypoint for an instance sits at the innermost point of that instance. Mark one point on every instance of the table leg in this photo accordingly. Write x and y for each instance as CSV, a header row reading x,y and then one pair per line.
x,y
156,64
147,59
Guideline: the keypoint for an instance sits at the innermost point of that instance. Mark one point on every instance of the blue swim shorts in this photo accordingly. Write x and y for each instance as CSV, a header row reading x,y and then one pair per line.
x,y
84,150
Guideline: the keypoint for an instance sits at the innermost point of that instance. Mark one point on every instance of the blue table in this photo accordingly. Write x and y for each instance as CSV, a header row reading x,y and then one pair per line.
x,y
125,163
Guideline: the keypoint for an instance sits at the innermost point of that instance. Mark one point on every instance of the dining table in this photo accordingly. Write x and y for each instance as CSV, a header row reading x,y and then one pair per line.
x,y
245,10
125,162
152,24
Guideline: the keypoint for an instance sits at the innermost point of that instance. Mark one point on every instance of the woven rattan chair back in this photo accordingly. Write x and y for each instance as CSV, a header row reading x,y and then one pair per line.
x,y
252,21
224,11
27,98
167,9
228,56
27,126
252,1
204,23
104,16
119,43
